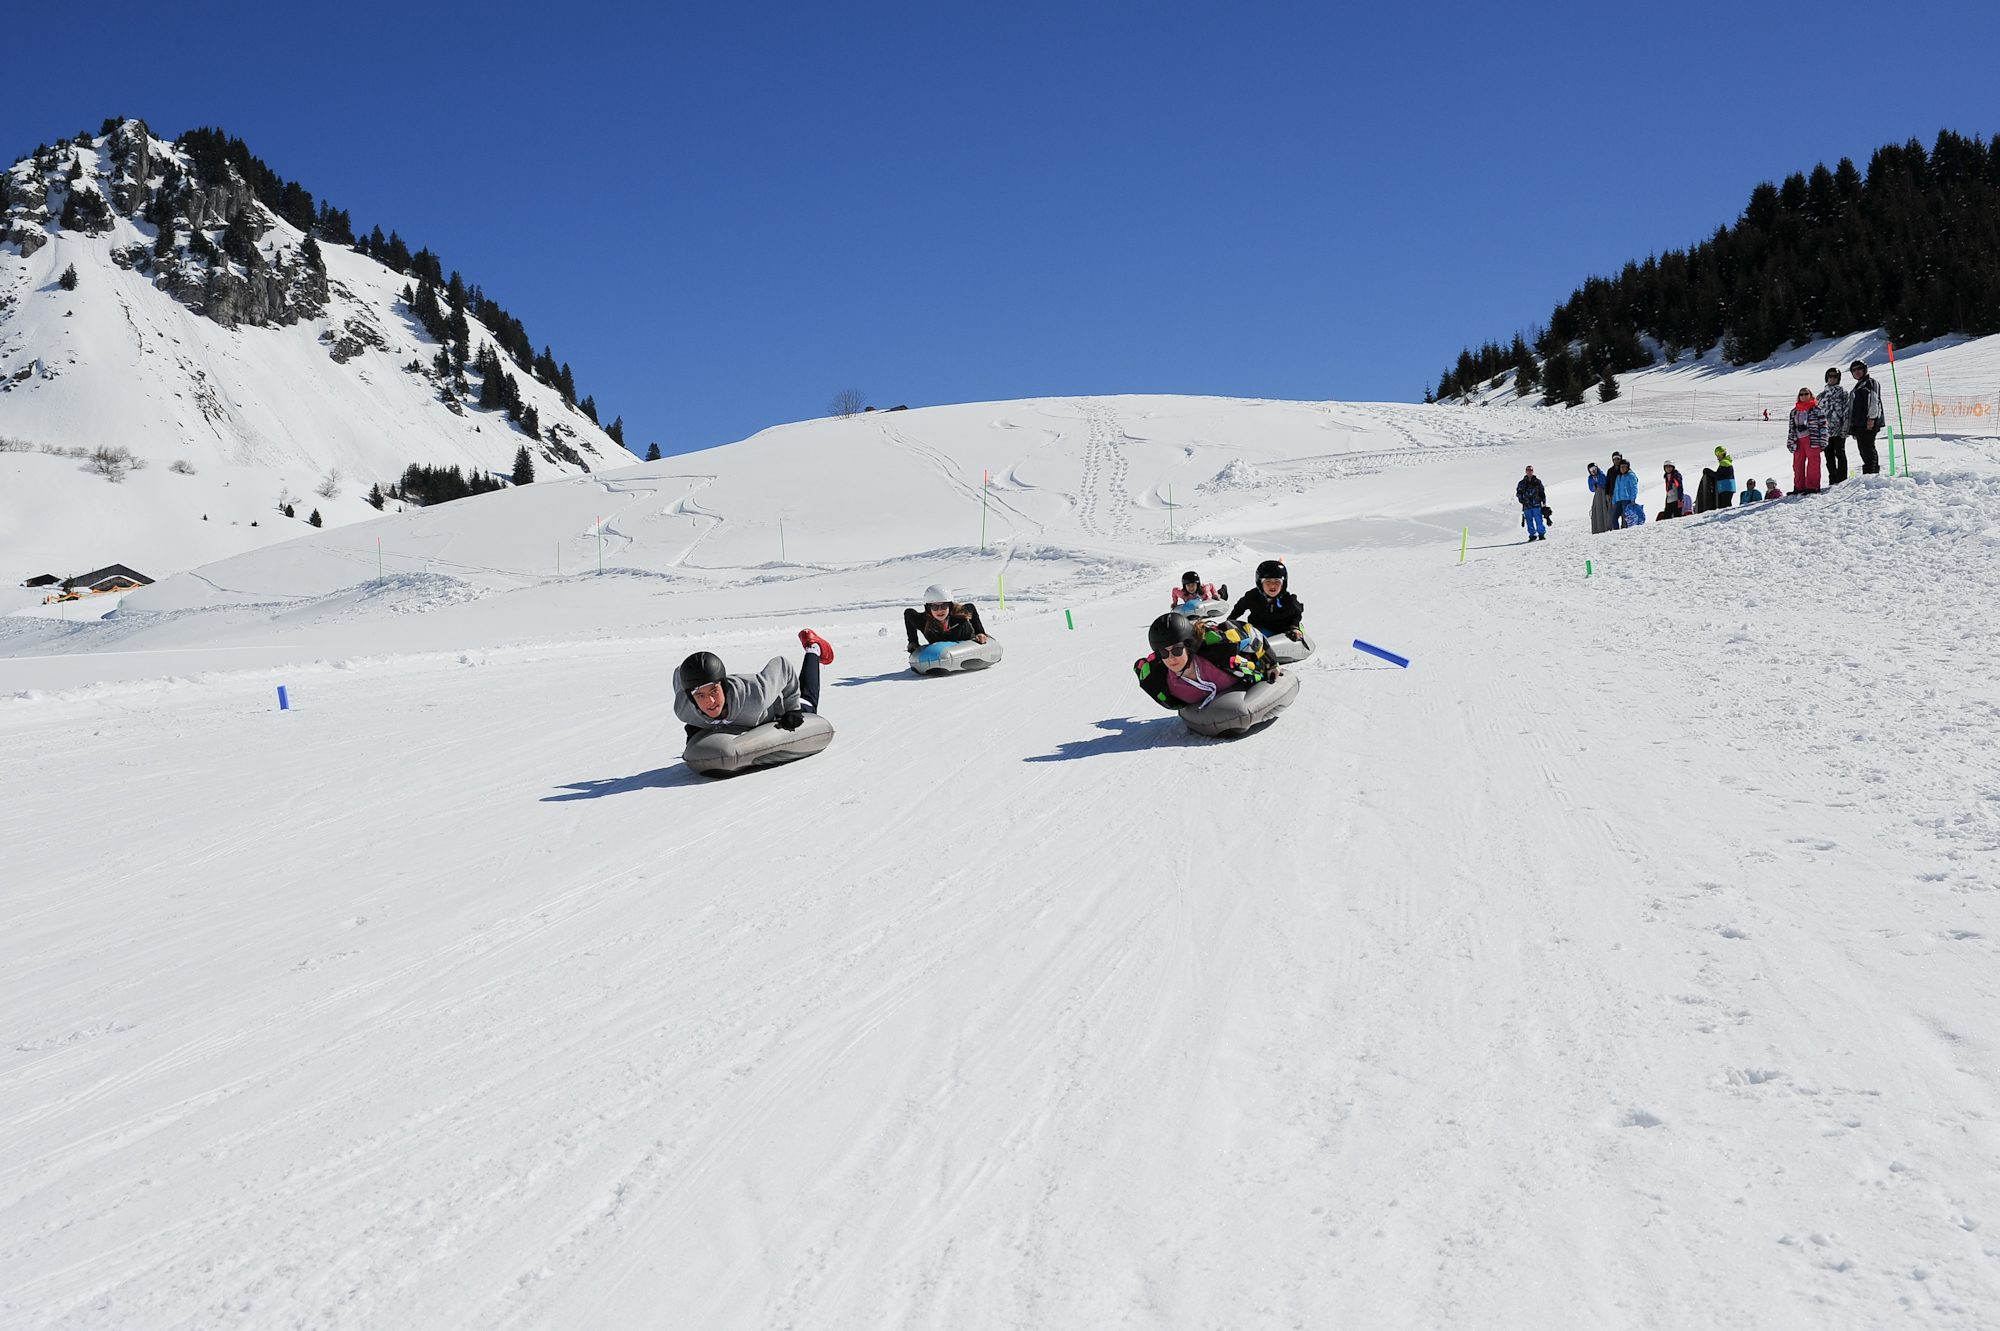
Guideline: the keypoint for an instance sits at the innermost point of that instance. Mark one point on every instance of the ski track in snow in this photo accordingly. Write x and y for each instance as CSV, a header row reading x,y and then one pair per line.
x,y
1627,961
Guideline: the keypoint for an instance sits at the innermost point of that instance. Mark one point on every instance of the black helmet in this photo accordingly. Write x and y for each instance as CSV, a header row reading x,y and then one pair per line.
x,y
1170,629
699,669
1190,576
1273,568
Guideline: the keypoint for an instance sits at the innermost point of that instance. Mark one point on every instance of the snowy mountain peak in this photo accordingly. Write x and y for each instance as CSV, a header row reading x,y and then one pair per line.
x,y
181,302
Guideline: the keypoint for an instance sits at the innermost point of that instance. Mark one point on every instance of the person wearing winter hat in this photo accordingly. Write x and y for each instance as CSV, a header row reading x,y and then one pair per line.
x,y
1676,504
707,697
1864,416
1771,490
1805,437
1600,498
1725,478
1269,606
1834,407
942,620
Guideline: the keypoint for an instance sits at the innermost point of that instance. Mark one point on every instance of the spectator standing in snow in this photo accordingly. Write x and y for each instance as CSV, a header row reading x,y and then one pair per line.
x,y
1865,416
1725,478
1624,493
1676,505
1805,431
1528,492
1600,498
1835,404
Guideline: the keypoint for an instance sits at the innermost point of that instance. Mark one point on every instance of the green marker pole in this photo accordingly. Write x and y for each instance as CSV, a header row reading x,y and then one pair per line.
x,y
1067,620
1464,535
1586,568
1170,513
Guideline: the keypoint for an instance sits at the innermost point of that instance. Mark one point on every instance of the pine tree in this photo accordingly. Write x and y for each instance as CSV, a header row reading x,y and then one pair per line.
x,y
524,466
375,498
68,279
309,251
617,431
315,519
531,421
1607,391
652,452
163,244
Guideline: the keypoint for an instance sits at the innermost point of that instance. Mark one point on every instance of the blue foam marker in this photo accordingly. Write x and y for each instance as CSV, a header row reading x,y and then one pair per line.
x,y
933,651
1388,656
284,703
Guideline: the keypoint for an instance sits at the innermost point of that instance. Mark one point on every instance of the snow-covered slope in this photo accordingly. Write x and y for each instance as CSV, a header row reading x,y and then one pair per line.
x,y
1626,961
1949,388
255,412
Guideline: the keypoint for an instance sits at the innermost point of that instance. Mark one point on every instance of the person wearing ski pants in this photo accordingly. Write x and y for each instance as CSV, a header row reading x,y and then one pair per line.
x,y
1725,478
1624,493
1532,496
1865,416
1806,430
1835,406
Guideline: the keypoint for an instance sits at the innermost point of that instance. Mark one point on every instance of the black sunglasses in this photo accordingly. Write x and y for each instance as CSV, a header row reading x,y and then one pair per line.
x,y
1174,649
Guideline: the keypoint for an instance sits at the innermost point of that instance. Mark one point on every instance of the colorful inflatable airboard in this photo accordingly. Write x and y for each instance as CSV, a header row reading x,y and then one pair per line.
x,y
938,658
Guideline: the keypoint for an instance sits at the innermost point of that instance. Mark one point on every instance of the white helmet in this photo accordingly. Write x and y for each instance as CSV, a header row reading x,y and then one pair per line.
x,y
937,594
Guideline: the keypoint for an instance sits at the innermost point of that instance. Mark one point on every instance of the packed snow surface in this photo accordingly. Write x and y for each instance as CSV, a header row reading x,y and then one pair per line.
x,y
1628,960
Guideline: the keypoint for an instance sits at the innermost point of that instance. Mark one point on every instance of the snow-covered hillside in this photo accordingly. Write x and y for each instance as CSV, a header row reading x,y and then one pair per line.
x,y
1949,388
129,359
1626,961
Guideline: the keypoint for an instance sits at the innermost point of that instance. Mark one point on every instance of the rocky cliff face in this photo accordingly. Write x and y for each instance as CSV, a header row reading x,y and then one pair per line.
x,y
266,281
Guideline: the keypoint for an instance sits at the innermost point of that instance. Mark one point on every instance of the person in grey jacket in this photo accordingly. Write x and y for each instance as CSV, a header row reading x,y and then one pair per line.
x,y
1864,416
707,697
1834,407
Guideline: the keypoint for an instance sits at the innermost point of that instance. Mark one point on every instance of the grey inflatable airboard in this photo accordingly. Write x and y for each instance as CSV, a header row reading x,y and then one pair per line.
x,y
948,657
722,753
1234,713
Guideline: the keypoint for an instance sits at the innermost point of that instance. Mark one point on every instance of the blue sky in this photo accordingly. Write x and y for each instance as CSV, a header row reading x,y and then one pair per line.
x,y
721,215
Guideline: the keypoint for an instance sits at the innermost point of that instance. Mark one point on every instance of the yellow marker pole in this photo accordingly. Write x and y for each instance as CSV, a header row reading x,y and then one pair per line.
x,y
1464,535
1003,591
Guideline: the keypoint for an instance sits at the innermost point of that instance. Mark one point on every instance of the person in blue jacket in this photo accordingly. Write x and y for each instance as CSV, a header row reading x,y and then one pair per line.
x,y
1624,493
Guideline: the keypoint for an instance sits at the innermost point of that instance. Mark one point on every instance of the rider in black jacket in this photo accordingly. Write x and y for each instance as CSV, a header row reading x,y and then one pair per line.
x,y
1269,606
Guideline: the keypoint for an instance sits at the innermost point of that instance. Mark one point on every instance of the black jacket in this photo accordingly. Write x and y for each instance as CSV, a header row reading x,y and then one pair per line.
x,y
1269,614
961,625
1530,493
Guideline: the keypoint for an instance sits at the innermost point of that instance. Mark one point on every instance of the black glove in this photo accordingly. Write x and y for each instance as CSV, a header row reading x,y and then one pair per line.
x,y
792,720
696,730
911,650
